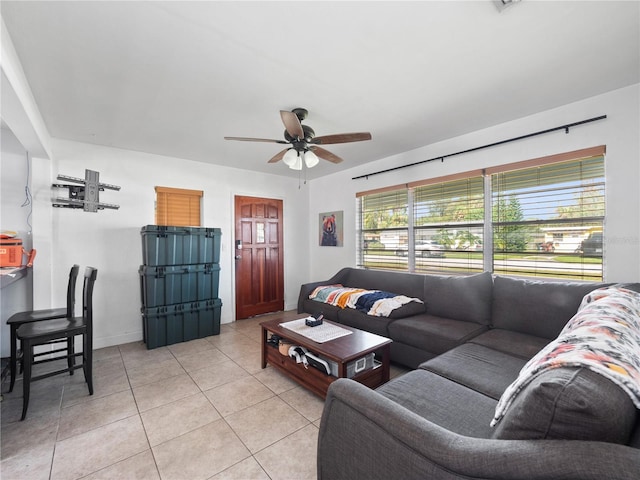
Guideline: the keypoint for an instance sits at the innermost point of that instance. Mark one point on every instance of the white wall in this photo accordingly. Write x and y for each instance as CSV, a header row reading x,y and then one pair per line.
x,y
14,171
110,239
24,132
620,132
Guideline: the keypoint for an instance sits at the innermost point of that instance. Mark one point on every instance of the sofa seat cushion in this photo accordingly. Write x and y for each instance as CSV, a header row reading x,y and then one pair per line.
x,y
517,344
537,308
409,356
439,400
432,333
570,404
357,319
459,297
477,367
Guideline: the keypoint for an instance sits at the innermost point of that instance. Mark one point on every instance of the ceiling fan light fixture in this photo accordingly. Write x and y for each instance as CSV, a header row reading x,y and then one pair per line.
x,y
290,157
297,165
311,159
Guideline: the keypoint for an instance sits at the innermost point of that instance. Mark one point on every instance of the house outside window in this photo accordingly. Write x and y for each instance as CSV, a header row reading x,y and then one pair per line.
x,y
546,220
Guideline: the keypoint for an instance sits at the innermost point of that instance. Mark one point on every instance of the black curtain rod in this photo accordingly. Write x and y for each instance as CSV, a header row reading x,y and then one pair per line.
x,y
522,137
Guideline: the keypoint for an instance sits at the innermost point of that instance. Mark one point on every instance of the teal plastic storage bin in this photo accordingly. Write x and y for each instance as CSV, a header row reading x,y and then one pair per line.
x,y
178,284
168,245
171,324
165,285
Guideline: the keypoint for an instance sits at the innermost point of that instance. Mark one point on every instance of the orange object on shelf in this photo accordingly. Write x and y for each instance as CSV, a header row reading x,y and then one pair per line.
x,y
11,253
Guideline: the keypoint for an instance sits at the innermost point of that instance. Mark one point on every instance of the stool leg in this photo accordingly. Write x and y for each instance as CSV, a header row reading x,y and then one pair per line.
x,y
14,355
27,360
87,360
71,359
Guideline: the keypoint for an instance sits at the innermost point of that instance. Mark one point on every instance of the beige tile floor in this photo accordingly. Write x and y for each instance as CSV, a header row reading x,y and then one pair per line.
x,y
203,409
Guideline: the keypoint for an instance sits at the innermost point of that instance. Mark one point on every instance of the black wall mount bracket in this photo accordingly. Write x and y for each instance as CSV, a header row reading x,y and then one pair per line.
x,y
85,193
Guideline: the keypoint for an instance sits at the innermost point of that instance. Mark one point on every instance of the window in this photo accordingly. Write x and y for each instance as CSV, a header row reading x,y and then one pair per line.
x,y
449,226
178,207
384,228
542,217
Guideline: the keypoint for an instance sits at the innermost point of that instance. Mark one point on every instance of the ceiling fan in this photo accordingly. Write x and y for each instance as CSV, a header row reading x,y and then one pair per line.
x,y
304,145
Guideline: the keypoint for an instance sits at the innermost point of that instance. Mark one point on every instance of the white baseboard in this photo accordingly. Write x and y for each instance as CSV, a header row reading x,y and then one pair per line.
x,y
117,340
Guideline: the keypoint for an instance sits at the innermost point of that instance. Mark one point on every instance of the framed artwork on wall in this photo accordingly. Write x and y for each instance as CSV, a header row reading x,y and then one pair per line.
x,y
331,229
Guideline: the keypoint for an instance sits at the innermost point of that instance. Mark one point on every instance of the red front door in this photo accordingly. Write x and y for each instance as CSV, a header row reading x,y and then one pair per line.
x,y
259,256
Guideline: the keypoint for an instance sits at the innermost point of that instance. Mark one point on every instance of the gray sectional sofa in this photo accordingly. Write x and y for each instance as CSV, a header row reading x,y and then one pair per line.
x,y
467,343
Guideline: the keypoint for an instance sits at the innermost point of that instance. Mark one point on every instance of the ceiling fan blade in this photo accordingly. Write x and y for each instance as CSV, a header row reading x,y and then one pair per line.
x,y
325,154
341,138
247,139
278,156
292,124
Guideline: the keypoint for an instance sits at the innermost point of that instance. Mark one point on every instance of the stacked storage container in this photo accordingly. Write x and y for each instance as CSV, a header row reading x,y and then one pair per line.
x,y
179,282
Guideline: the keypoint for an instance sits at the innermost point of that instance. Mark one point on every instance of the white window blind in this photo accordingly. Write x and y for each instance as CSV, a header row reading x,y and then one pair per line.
x,y
543,215
448,226
383,229
178,206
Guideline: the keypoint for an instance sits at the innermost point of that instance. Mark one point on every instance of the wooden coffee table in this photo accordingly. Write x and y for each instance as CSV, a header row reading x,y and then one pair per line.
x,y
342,350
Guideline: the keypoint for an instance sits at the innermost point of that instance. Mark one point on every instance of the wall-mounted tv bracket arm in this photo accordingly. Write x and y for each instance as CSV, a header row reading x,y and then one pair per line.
x,y
85,195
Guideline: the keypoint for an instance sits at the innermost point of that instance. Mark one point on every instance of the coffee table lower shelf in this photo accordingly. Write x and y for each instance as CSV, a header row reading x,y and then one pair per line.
x,y
313,379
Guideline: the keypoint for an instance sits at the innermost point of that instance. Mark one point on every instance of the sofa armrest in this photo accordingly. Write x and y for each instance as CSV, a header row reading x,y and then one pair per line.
x,y
365,435
305,291
307,288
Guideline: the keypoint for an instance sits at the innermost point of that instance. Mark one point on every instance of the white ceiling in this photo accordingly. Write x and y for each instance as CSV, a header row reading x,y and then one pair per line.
x,y
174,78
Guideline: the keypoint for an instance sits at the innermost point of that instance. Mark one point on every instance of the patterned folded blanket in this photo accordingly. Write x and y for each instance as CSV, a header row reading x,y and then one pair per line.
x,y
377,303
603,336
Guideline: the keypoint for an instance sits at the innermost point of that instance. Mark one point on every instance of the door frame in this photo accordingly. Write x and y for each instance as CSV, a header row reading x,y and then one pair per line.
x,y
234,252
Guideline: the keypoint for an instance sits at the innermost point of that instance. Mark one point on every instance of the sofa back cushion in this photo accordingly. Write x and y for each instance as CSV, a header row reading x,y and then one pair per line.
x,y
409,284
570,404
536,308
460,298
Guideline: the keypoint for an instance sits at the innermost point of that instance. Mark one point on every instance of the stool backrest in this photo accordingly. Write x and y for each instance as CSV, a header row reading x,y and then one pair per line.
x,y
90,275
71,290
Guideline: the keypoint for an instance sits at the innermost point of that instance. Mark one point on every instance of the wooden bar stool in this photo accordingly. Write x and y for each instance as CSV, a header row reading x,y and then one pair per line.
x,y
66,329
29,316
